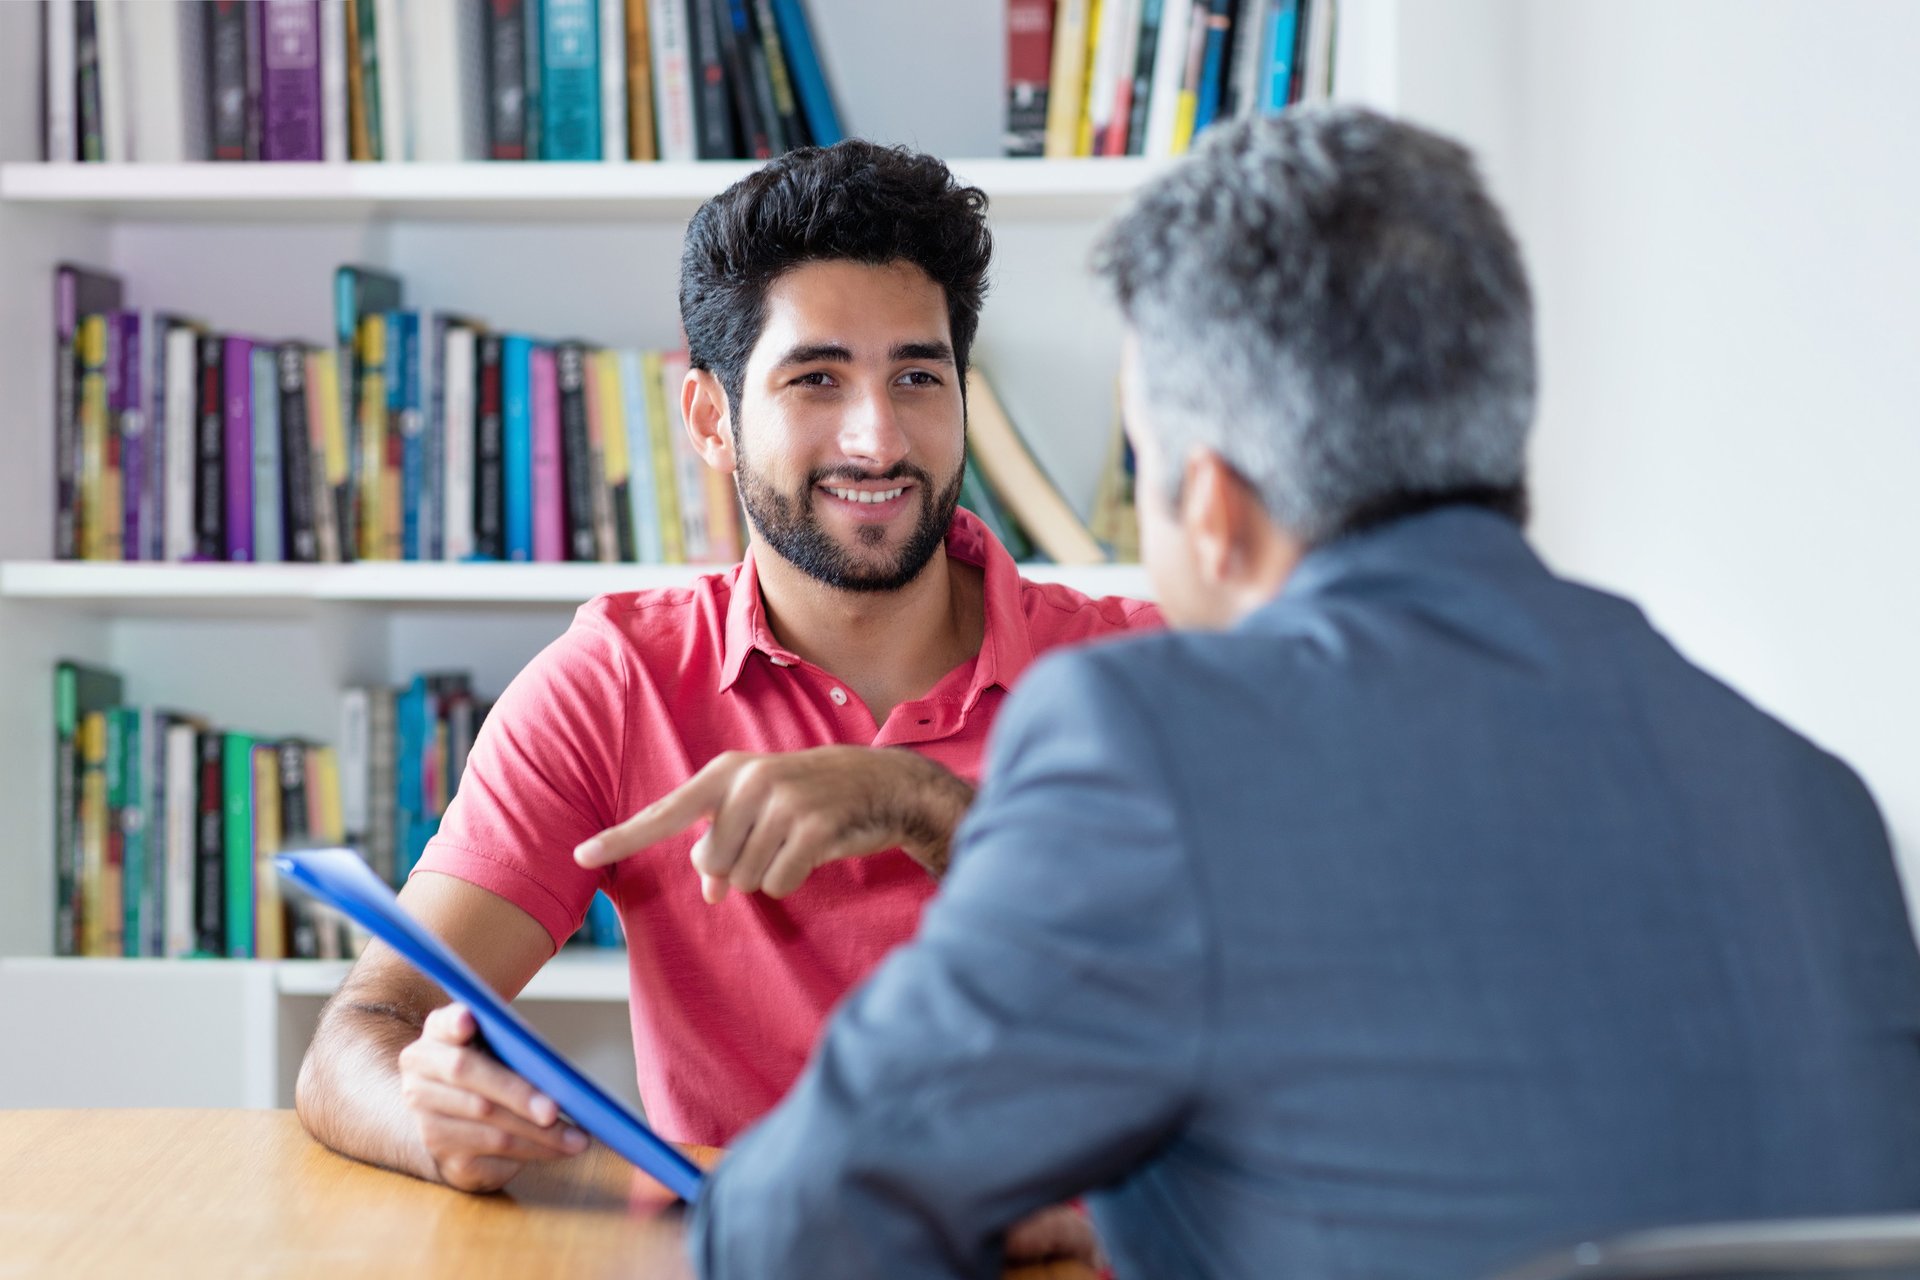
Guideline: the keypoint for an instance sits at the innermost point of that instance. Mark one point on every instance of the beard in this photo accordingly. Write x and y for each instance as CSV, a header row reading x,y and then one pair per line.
x,y
789,524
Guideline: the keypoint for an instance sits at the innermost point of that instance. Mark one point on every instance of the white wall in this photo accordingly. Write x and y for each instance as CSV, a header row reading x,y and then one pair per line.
x,y
1720,204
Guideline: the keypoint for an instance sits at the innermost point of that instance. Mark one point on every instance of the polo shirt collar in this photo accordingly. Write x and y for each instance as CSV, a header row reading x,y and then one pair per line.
x,y
1006,649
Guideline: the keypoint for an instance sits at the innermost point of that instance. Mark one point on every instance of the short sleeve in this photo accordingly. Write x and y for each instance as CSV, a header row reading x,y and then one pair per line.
x,y
544,774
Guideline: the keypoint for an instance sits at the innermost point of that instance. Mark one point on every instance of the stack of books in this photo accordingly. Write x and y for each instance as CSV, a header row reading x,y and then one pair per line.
x,y
1145,77
430,80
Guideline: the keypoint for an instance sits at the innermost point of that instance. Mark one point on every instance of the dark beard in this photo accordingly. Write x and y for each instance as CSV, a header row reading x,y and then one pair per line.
x,y
788,524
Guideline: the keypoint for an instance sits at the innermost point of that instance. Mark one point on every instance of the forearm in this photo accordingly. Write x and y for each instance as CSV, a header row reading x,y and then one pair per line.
x,y
349,1095
929,807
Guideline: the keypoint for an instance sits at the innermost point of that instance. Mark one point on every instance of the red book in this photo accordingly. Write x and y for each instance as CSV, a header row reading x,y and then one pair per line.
x,y
1029,66
549,496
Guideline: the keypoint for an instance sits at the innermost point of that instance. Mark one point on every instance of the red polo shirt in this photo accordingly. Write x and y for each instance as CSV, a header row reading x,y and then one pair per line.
x,y
642,690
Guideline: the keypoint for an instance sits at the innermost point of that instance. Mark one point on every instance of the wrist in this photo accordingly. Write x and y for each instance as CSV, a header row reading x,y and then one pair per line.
x,y
936,802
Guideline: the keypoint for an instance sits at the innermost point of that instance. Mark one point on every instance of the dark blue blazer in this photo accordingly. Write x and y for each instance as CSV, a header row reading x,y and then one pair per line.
x,y
1438,913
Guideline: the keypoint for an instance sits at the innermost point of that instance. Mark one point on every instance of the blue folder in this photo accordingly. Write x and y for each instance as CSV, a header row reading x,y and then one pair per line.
x,y
339,878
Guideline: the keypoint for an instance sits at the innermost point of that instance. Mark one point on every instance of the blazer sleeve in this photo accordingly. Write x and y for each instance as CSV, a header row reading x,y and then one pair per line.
x,y
1040,1036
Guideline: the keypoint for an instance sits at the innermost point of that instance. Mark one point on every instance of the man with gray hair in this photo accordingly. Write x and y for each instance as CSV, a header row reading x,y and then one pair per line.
x,y
1408,911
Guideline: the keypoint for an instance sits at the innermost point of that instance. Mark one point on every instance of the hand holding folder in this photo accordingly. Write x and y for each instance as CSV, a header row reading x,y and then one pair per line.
x,y
339,878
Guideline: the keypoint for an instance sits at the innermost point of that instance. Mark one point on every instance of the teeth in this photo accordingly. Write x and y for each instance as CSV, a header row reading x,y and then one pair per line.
x,y
866,495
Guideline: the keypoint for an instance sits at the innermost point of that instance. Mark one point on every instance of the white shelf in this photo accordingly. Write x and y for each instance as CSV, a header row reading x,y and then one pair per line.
x,y
576,974
482,191
218,588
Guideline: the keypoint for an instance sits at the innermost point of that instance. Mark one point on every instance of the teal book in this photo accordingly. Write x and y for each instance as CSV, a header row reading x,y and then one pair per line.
x,y
236,782
126,806
570,80
516,406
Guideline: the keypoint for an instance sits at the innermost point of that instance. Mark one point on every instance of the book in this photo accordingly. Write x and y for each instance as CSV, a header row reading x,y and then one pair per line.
x,y
673,79
101,907
688,468
289,54
180,824
663,422
60,73
401,498
1169,70
182,353
166,91
489,453
227,56
86,53
77,291
210,451
357,291
578,499
126,390
1083,135
549,481
569,80
600,444
335,127
716,130
363,85
393,75
329,443
516,382
642,490
236,364
236,792
757,76
210,844
455,425
809,76
642,140
80,690
607,405
1029,65
92,517
113,62
1146,59
295,480
126,814
269,916
1016,476
786,100
268,507
1207,101
978,497
447,80
614,144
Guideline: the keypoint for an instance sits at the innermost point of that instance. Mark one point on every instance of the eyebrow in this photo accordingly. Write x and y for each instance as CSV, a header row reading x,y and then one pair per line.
x,y
834,353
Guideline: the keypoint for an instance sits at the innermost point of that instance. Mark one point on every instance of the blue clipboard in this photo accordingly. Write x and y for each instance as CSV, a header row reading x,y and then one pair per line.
x,y
339,878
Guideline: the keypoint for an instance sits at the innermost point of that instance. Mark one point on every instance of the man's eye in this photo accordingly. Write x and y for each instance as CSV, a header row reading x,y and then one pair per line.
x,y
818,378
920,378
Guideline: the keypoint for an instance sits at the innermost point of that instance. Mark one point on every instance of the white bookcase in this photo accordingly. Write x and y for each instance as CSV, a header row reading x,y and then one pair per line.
x,y
553,249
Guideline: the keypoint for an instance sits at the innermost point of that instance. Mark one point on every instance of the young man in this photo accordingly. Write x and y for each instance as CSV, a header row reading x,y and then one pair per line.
x,y
1414,911
830,301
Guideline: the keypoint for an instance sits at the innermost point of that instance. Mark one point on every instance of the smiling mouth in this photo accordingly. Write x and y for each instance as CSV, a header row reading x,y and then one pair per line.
x,y
866,495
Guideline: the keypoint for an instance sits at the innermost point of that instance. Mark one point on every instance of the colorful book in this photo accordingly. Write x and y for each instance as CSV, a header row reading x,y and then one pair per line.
x,y
357,292
607,405
374,478
268,546
642,491
289,54
516,379
786,99
689,469
673,79
1029,64
809,76
95,414
569,80
79,691
227,79
236,790
663,422
549,481
210,450
236,361
101,909
210,845
77,291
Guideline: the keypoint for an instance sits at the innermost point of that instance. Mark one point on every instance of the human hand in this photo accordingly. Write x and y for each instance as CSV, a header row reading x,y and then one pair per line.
x,y
480,1123
1060,1232
777,817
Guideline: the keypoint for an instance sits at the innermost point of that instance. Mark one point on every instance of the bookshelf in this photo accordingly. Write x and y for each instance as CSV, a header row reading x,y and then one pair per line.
x,y
552,249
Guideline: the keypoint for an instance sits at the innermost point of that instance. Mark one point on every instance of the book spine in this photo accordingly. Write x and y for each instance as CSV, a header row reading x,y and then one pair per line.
x,y
642,143
209,477
433,443
645,516
66,417
809,77
728,18
297,826
489,453
1146,56
382,777
606,405
506,79
405,349
182,350
613,79
237,367
786,101
335,126
549,496
295,481
87,80
66,800
268,510
61,134
390,57
1219,23
569,80
370,433
516,365
688,469
533,102
759,76
356,728
1029,64
227,79
179,818
290,109
1169,66
107,899
367,89
269,913
210,847
131,424
90,345
663,419
458,474
673,79
236,790
126,785
575,453
328,442
116,125
153,343
712,108
110,508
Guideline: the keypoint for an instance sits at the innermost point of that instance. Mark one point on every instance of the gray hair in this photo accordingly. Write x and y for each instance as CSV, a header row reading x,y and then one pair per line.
x,y
1329,300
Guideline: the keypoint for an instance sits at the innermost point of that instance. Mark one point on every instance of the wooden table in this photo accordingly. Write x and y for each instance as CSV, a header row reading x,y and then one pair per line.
x,y
214,1193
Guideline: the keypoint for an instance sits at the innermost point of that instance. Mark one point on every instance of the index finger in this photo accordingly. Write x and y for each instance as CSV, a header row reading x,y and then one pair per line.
x,y
692,800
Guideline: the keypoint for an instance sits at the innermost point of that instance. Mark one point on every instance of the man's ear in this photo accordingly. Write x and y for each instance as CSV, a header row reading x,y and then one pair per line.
x,y
704,406
1214,516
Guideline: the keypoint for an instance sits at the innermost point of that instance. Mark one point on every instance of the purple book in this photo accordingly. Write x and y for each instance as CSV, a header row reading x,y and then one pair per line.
x,y
129,420
237,362
290,80
549,511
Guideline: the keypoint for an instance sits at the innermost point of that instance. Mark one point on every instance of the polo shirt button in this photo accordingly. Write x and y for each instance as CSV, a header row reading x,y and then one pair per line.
x,y
838,695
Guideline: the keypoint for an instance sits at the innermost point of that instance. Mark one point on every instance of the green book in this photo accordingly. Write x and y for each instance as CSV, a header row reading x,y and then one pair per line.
x,y
126,810
236,783
77,690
